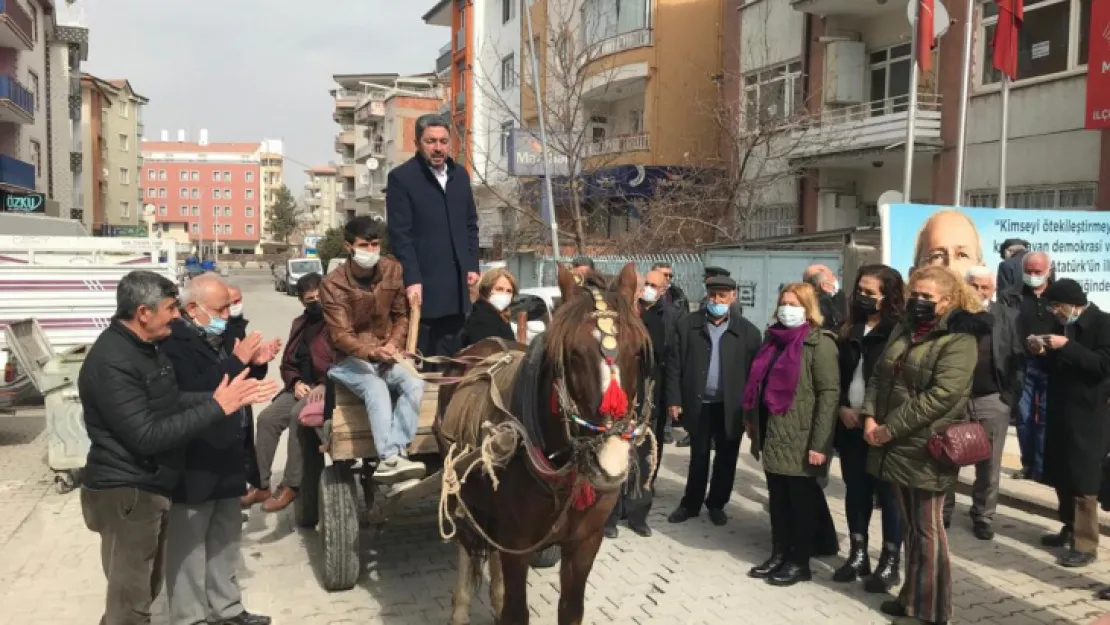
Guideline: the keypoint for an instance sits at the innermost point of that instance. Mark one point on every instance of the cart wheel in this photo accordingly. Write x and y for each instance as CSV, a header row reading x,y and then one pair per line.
x,y
547,558
306,505
339,528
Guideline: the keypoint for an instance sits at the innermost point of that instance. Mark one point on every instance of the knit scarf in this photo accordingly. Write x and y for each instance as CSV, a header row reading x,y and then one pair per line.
x,y
778,381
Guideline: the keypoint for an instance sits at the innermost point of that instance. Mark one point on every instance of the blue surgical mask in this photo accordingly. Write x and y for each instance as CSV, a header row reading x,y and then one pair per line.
x,y
216,325
716,309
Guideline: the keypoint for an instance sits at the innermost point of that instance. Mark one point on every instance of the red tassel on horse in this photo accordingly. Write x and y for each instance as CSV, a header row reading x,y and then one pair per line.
x,y
584,496
614,404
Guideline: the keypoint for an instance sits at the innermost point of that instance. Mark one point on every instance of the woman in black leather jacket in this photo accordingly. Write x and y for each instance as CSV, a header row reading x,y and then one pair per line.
x,y
877,304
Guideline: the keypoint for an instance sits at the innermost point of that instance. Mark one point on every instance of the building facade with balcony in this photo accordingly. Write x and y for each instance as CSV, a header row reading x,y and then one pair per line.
x,y
206,194
321,194
111,138
273,179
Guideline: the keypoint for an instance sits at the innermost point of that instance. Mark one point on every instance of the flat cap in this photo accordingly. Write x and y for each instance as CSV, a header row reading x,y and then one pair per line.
x,y
720,283
1065,291
713,271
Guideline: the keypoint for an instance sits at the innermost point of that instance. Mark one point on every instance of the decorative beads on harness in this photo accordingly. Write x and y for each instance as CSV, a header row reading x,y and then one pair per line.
x,y
614,401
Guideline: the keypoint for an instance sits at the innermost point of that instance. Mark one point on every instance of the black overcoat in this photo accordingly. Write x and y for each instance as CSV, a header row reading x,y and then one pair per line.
x,y
433,231
688,366
1077,427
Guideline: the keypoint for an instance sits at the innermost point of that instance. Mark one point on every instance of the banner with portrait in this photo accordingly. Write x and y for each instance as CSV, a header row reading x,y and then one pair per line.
x,y
1078,242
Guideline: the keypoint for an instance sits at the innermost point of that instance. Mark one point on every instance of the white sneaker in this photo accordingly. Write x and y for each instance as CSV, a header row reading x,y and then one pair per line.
x,y
397,469
400,487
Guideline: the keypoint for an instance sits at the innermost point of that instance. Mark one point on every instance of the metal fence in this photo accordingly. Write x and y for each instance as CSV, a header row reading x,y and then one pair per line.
x,y
689,269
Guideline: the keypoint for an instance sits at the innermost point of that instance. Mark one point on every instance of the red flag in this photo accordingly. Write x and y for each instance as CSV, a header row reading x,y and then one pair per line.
x,y
1011,14
925,35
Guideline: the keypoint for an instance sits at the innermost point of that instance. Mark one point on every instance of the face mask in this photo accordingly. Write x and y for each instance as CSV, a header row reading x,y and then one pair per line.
x,y
501,301
215,326
650,295
366,260
836,286
986,303
866,305
791,316
716,309
1067,318
920,311
314,310
235,310
1033,282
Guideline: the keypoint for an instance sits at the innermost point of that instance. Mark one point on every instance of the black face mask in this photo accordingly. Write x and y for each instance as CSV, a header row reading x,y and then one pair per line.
x,y
920,311
866,305
314,310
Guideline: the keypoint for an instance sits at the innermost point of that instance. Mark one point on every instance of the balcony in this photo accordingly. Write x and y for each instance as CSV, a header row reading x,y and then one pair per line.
x,y
369,149
347,170
870,127
865,9
16,28
640,38
345,98
16,173
619,145
347,205
17,103
443,61
76,161
344,139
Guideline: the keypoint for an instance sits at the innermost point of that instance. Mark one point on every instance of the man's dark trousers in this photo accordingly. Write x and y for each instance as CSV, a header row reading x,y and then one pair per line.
x,y
439,337
132,526
710,437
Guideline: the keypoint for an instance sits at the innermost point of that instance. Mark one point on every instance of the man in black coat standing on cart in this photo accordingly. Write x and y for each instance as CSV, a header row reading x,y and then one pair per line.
x,y
433,232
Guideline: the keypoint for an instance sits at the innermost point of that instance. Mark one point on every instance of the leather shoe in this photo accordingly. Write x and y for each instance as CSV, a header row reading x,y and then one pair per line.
x,y
892,608
281,500
789,574
640,529
768,567
681,515
246,618
1062,539
983,530
611,531
1076,559
683,442
1103,594
253,496
718,517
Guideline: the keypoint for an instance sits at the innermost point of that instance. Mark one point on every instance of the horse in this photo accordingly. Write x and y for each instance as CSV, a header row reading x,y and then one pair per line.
x,y
580,427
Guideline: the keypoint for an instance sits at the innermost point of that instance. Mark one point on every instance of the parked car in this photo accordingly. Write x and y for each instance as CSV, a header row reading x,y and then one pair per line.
x,y
287,274
538,304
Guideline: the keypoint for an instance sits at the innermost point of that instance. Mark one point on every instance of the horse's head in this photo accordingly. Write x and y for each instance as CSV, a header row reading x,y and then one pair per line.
x,y
596,349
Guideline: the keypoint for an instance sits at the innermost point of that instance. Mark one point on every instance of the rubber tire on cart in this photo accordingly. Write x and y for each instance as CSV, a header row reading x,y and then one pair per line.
x,y
306,511
339,528
548,557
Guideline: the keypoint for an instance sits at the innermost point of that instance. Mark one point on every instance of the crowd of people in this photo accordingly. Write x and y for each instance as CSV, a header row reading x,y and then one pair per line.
x,y
872,375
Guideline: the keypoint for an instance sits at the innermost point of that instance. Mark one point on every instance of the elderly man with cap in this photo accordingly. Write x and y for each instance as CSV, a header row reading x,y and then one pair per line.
x,y
829,296
581,265
1009,270
707,368
1077,433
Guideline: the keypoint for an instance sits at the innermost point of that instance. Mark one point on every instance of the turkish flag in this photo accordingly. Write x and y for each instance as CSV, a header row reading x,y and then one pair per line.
x,y
925,34
1011,14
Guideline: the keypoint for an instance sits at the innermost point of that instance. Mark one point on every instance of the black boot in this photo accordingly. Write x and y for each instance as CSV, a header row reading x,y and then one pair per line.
x,y
886,575
1062,539
858,564
768,568
790,574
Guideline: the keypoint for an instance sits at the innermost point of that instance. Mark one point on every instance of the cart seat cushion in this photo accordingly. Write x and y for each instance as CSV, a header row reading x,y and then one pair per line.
x,y
312,415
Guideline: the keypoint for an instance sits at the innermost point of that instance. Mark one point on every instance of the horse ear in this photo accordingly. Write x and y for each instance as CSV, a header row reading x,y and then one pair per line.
x,y
627,283
568,287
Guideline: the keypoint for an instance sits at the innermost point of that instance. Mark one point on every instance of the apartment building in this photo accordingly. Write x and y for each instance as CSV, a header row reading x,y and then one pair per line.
x,y
273,179
207,194
111,136
834,75
321,196
41,50
384,130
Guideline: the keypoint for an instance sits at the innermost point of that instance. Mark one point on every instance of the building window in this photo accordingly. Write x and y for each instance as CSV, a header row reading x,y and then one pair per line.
x,y
34,78
124,176
195,175
183,193
250,229
506,129
227,211
195,228
124,142
250,194
773,95
636,121
183,211
195,210
183,175
227,176
227,194
215,228
151,174
162,211
195,193
152,192
250,176
161,174
227,228
250,211
603,19
36,157
215,194
1063,197
125,210
161,193
508,72
890,80
124,108
508,10
1053,39
215,176
215,211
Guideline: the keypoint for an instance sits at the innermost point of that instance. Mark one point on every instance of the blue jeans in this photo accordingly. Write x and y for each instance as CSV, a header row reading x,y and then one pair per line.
x,y
393,427
1031,419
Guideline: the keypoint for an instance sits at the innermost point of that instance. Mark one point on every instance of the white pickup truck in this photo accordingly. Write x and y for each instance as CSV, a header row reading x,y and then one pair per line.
x,y
68,284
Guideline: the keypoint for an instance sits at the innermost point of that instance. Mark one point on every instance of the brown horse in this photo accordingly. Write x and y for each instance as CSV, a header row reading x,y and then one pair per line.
x,y
562,483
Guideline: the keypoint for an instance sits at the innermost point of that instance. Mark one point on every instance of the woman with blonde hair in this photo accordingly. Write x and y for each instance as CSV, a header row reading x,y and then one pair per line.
x,y
919,388
490,315
790,403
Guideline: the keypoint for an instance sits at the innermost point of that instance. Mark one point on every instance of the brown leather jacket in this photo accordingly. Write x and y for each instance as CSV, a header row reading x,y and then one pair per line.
x,y
361,320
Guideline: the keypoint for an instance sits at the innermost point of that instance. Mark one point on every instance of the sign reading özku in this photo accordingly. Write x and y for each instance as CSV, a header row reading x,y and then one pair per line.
x,y
1098,68
24,203
526,155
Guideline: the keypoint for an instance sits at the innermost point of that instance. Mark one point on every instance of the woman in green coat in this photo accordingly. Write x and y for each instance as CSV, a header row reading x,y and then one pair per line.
x,y
790,402
920,387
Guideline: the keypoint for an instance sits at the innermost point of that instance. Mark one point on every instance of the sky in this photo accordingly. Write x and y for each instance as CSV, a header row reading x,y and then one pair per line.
x,y
253,69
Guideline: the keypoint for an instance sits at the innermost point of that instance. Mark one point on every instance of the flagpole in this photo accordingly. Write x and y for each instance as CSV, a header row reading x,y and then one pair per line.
x,y
911,111
548,195
1003,140
965,80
